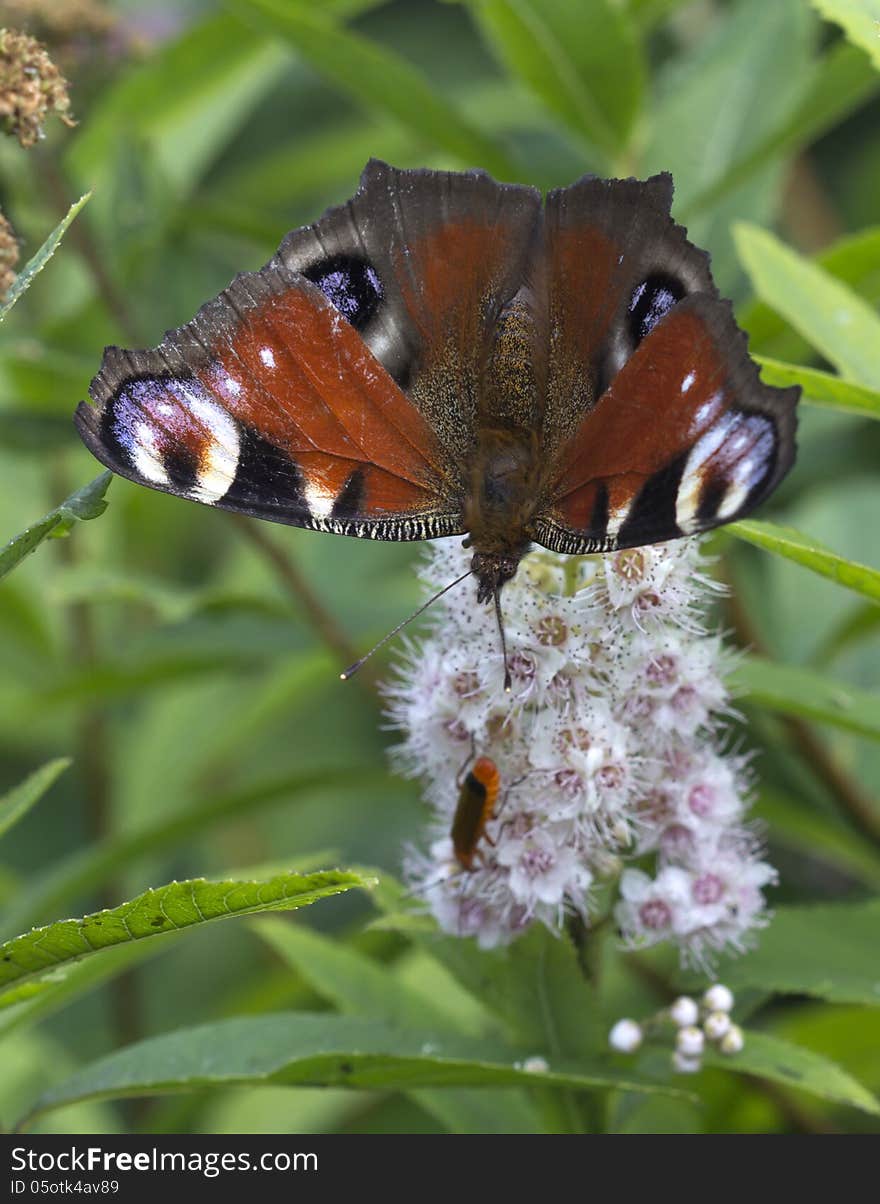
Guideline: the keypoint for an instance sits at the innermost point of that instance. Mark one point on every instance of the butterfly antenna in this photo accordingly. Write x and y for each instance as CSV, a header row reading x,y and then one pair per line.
x,y
352,669
503,641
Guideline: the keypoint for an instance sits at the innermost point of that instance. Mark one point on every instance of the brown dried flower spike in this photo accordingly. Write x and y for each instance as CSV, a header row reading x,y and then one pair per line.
x,y
8,256
31,86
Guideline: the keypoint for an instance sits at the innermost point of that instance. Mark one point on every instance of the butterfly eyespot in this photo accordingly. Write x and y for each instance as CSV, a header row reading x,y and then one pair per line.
x,y
175,435
650,301
351,285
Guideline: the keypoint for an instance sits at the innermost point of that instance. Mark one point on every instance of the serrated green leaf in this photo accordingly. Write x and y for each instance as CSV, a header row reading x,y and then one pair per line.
x,y
37,999
821,388
88,868
321,1050
834,319
793,545
25,278
792,690
18,801
859,19
377,78
830,951
86,503
770,1057
842,81
583,61
165,909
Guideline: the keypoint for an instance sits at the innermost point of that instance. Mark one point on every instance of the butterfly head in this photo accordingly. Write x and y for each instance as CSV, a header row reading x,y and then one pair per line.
x,y
492,571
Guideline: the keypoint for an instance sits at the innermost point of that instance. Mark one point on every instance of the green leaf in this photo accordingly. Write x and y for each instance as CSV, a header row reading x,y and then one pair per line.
x,y
320,1050
834,319
85,504
18,801
842,81
791,544
182,104
350,980
166,909
859,19
377,78
90,867
822,388
818,838
358,986
854,259
534,985
862,621
724,99
770,1057
830,951
34,1000
583,61
25,278
792,690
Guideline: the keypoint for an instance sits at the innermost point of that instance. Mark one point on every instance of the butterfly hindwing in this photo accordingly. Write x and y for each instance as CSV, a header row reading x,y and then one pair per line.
x,y
427,260
684,438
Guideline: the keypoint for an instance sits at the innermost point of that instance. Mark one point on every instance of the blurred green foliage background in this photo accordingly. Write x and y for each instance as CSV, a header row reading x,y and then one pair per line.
x,y
186,667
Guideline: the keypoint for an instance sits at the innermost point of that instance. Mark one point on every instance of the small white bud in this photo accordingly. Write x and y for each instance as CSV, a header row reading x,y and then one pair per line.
x,y
716,1025
718,998
689,1041
626,1036
536,1065
682,1064
684,1012
732,1041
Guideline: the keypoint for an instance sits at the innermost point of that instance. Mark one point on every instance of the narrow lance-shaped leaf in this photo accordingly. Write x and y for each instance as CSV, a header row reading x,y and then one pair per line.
x,y
770,1057
834,319
842,81
377,78
359,986
859,19
18,801
791,544
822,388
322,1050
85,869
792,690
86,503
183,103
583,61
166,909
25,278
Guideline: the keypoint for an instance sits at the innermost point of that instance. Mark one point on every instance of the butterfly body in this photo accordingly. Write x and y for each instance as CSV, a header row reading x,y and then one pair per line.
x,y
446,355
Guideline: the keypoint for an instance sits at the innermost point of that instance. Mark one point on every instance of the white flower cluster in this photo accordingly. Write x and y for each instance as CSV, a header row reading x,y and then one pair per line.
x,y
608,749
690,1038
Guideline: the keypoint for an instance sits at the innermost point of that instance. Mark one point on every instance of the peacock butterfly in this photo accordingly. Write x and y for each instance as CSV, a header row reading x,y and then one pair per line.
x,y
446,355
